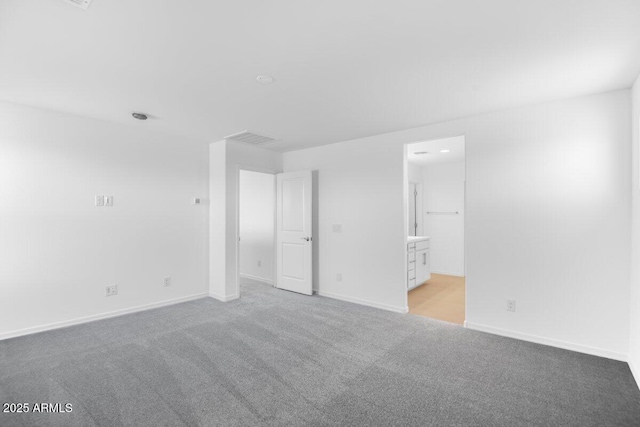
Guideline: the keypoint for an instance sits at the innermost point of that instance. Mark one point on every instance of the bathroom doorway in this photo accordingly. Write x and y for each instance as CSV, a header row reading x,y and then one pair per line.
x,y
436,269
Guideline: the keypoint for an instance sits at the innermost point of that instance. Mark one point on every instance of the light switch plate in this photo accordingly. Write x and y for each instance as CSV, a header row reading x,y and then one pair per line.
x,y
99,200
108,200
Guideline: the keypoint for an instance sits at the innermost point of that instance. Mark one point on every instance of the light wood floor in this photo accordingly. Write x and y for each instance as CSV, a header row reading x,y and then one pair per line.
x,y
441,297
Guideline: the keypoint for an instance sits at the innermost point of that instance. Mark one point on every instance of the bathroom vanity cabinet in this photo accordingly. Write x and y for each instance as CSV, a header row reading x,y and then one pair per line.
x,y
418,262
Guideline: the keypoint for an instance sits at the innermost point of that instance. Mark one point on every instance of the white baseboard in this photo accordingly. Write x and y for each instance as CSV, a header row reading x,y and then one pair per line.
x,y
87,319
224,298
448,273
548,341
634,371
363,302
259,279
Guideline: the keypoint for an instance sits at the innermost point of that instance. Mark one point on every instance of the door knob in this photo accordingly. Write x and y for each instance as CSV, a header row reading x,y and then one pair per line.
x,y
306,238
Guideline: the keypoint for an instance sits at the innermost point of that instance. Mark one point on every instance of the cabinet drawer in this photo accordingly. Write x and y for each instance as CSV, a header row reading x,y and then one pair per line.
x,y
411,256
411,247
424,244
411,283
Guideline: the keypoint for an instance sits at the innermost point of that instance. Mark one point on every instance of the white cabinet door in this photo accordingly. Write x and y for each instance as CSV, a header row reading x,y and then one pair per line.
x,y
423,267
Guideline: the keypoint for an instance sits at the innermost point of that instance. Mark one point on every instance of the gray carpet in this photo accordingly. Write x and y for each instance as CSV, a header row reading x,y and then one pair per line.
x,y
277,358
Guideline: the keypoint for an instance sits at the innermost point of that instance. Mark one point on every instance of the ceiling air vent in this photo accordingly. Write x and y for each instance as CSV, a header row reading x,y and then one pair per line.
x,y
82,4
249,138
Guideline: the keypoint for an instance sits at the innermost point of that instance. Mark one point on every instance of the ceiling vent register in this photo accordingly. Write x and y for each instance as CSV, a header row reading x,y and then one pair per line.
x,y
249,138
82,4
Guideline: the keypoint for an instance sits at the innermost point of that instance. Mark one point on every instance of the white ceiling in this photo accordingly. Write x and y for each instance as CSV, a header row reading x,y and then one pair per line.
x,y
455,146
343,69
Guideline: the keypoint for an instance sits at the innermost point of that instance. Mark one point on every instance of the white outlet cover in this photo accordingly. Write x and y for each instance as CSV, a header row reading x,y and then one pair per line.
x,y
167,281
99,200
337,228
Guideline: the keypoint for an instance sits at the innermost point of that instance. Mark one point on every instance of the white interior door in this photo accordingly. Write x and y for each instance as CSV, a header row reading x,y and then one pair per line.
x,y
294,247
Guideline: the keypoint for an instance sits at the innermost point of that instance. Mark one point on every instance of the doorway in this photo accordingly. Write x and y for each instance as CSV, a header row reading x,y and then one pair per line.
x,y
274,231
256,230
436,272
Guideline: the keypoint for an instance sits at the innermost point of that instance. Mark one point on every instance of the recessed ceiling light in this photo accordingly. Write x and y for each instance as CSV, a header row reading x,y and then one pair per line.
x,y
421,152
140,116
264,79
444,151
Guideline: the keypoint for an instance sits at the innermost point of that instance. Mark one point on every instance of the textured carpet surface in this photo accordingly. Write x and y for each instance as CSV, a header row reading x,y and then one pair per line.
x,y
277,358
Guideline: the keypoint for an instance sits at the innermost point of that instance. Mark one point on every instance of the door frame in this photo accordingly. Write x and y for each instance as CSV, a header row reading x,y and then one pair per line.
x,y
249,168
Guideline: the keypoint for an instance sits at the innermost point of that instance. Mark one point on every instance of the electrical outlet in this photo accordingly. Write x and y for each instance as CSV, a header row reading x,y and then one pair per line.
x,y
112,290
167,281
339,277
259,263
99,200
108,200
511,305
336,228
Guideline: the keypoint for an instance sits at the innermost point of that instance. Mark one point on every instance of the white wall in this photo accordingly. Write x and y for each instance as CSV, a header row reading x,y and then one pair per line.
x,y
548,219
58,251
414,173
217,221
634,345
548,222
257,206
443,186
360,185
227,158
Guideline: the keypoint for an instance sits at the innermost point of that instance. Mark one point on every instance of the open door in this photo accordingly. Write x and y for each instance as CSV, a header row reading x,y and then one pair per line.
x,y
293,233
